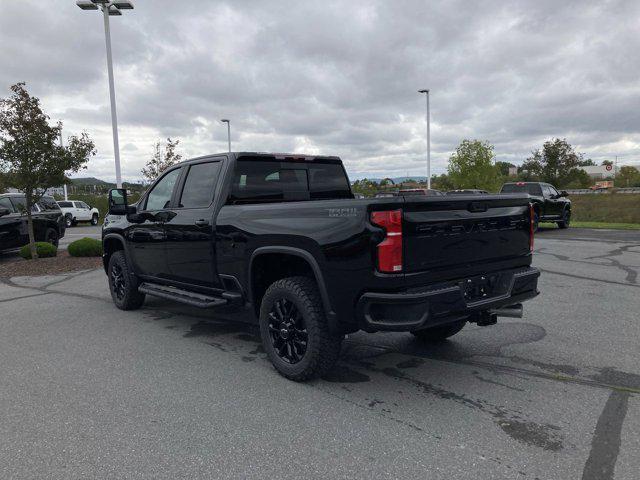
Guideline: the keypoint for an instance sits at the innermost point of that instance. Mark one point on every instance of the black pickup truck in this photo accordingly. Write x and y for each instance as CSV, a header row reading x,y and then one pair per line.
x,y
549,205
48,221
280,240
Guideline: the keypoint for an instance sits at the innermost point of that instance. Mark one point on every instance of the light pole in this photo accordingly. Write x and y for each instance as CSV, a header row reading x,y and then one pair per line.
x,y
110,8
64,185
428,140
228,122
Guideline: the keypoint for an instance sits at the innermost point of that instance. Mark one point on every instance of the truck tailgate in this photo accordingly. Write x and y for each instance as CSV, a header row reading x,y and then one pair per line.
x,y
441,233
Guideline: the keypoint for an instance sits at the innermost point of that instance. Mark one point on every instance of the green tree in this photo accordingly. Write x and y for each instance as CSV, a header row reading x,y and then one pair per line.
x,y
471,166
557,163
607,162
587,163
504,167
30,157
628,176
162,159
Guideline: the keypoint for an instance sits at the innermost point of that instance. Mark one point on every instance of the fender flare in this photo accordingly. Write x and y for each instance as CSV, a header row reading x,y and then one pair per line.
x,y
305,255
125,248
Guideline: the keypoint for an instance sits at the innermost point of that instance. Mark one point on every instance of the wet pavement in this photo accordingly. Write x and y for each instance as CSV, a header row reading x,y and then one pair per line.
x,y
174,392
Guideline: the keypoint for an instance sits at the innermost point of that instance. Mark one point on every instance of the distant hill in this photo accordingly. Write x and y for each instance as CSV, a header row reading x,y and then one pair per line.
x,y
400,179
88,181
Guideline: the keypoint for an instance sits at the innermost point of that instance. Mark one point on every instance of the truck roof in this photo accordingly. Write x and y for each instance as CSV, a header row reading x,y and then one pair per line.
x,y
277,156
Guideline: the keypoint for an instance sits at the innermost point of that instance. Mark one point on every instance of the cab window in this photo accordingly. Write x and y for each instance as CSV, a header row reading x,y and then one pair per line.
x,y
160,195
6,203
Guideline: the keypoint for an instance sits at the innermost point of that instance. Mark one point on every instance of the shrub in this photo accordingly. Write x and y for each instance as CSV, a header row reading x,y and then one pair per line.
x,y
85,247
44,249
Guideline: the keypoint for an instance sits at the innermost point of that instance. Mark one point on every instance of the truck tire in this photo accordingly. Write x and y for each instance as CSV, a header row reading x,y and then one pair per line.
x,y
68,220
440,333
94,219
122,284
294,330
566,219
51,236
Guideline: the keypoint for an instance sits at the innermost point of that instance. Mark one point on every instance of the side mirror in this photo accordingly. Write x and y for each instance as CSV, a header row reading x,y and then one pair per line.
x,y
4,211
118,202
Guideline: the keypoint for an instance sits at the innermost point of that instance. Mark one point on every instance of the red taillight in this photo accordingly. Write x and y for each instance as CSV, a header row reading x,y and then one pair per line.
x,y
390,249
532,214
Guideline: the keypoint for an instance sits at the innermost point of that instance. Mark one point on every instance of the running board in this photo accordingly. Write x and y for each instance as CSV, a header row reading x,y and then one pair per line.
x,y
183,296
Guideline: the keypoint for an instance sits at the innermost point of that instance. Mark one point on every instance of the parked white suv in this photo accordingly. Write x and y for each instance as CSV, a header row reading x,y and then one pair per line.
x,y
76,211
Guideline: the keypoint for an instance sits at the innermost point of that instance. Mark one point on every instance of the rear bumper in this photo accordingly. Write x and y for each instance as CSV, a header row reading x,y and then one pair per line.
x,y
445,302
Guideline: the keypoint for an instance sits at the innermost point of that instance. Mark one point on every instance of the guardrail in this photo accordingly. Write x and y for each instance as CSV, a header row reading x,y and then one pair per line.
x,y
588,191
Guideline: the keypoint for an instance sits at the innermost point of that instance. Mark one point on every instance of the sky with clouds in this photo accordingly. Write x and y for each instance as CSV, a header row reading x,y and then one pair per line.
x,y
335,77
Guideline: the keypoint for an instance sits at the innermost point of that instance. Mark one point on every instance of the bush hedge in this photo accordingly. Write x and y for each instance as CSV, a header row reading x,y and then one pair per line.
x,y
44,250
85,247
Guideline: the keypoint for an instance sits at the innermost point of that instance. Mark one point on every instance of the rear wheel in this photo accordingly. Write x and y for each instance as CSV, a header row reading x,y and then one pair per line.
x,y
294,330
439,333
94,219
566,219
68,220
122,284
51,236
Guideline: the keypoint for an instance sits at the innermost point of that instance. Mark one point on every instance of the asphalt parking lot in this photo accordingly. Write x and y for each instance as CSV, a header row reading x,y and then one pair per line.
x,y
80,231
88,391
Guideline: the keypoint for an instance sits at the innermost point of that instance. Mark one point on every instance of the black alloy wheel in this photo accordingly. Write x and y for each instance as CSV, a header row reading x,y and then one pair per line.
x,y
566,219
294,329
117,281
287,331
123,285
52,237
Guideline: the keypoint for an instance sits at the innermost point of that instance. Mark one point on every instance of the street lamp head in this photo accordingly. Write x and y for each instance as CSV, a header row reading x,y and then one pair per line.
x,y
224,120
114,12
423,91
86,5
100,2
122,5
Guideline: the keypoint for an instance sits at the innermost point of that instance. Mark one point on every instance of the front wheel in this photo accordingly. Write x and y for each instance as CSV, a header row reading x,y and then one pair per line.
x,y
94,219
294,330
122,284
439,333
52,237
566,219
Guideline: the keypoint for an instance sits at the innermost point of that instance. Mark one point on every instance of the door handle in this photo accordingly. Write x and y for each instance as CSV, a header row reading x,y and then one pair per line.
x,y
202,222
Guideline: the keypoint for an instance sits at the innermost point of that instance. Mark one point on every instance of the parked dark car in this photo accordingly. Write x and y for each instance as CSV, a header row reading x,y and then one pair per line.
x,y
279,240
468,191
549,205
48,221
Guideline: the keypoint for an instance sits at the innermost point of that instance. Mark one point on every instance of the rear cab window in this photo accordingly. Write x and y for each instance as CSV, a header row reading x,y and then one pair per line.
x,y
264,180
530,188
65,204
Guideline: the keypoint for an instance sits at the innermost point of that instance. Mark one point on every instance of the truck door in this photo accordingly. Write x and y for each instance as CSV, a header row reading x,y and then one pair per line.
x,y
10,231
148,239
550,201
190,229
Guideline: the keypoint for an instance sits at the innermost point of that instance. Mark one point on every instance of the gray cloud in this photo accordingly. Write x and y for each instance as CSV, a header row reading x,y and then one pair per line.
x,y
337,77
